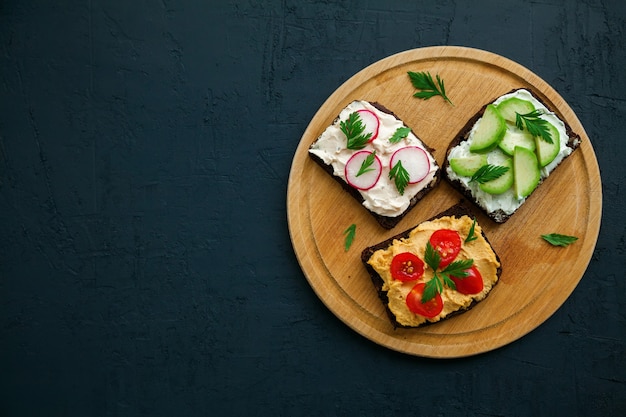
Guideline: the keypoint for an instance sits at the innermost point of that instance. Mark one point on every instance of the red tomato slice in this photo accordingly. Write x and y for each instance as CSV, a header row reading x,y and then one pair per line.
x,y
471,284
428,309
447,243
406,266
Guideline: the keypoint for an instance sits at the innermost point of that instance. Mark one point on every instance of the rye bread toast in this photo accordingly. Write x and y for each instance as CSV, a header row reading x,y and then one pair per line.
x,y
457,211
387,221
498,215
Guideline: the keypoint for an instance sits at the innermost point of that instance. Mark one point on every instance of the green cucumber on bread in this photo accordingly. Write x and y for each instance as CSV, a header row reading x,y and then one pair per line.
x,y
506,151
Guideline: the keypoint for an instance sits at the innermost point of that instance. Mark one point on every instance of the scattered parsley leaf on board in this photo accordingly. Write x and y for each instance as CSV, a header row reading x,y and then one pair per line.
x,y
488,173
399,134
366,164
424,82
400,175
353,128
349,232
535,125
557,239
471,235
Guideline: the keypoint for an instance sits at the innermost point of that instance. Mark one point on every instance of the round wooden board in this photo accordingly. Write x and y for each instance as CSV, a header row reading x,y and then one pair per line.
x,y
537,278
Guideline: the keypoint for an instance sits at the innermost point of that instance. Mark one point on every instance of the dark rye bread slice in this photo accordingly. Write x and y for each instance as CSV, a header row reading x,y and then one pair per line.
x,y
498,216
385,221
458,210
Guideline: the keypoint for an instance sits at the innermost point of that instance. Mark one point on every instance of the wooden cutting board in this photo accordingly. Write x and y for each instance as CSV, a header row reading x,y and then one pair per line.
x,y
537,278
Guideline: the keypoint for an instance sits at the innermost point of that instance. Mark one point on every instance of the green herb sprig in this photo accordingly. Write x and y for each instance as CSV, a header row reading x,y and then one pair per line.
x,y
400,176
488,172
424,82
353,128
399,134
457,269
366,164
557,239
471,235
349,233
535,125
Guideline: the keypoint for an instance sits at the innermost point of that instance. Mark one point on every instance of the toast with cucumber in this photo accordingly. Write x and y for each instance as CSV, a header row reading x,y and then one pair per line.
x,y
506,151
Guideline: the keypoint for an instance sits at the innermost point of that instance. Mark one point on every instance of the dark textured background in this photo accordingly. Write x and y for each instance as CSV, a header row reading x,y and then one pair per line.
x,y
145,261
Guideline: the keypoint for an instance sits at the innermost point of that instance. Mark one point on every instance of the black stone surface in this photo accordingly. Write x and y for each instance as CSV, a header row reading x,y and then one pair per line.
x,y
145,261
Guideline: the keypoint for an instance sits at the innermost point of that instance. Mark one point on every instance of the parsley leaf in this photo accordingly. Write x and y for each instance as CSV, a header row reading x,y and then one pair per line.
x,y
366,164
448,281
457,269
353,128
424,82
349,232
400,175
559,240
432,288
432,257
399,134
535,125
471,235
488,173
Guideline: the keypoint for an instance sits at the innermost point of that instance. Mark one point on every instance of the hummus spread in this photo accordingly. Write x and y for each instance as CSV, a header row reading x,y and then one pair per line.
x,y
479,250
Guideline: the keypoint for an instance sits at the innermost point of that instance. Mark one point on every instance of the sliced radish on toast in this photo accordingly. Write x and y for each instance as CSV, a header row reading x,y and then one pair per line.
x,y
370,121
414,160
363,173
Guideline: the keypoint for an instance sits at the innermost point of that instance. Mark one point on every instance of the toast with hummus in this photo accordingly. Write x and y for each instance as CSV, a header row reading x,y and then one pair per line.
x,y
377,159
503,153
438,269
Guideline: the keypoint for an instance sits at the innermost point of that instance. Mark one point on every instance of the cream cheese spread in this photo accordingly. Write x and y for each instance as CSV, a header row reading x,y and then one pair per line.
x,y
508,201
383,198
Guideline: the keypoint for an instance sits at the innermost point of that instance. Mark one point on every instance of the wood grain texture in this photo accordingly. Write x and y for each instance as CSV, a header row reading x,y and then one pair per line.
x,y
536,279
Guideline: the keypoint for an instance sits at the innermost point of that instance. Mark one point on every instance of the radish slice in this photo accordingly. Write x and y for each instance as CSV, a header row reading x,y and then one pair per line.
x,y
366,180
371,122
414,160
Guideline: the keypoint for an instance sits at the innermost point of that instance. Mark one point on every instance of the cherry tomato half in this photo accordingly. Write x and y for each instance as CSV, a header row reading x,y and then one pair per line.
x,y
428,309
471,284
447,243
406,266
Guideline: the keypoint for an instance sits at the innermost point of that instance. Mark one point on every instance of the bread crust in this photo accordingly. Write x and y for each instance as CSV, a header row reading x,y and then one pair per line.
x,y
458,210
386,222
498,216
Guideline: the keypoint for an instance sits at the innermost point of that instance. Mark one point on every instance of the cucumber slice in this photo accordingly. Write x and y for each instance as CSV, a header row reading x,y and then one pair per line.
x,y
515,137
525,171
546,152
503,182
468,165
489,131
513,105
